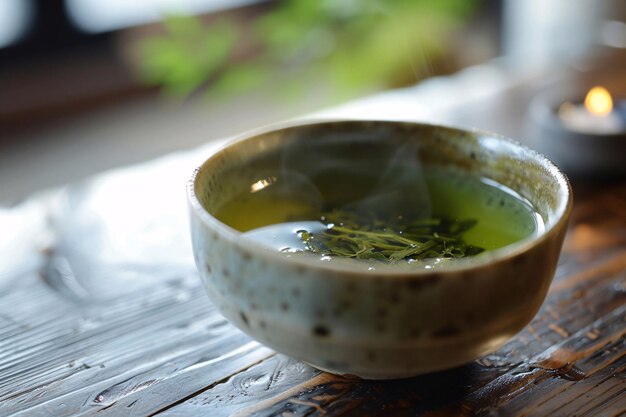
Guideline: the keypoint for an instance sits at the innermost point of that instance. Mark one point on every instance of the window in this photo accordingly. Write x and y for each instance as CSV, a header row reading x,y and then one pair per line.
x,y
15,20
96,16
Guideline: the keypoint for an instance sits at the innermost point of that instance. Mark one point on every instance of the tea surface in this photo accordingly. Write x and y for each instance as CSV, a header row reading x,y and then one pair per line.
x,y
438,213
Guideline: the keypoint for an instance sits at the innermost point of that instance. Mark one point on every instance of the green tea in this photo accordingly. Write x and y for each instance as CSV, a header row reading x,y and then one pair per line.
x,y
435,214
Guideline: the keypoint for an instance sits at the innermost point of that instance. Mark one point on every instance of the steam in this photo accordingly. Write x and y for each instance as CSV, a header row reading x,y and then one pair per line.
x,y
359,173
400,190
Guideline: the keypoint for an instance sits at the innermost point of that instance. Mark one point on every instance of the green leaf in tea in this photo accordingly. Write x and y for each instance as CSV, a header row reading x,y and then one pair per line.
x,y
354,235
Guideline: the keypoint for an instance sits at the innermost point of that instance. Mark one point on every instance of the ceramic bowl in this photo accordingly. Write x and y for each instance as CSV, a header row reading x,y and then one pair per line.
x,y
382,323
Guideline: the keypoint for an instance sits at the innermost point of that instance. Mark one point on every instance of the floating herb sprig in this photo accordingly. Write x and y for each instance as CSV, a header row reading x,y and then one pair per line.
x,y
352,235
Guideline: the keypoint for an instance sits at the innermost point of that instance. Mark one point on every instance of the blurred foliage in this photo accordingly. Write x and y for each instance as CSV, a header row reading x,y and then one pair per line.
x,y
350,45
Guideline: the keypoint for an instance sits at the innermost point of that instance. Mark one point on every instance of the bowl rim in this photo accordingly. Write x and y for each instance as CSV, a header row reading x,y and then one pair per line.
x,y
247,245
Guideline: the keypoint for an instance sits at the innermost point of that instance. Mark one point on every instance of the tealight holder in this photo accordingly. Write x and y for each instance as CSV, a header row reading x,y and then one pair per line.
x,y
582,130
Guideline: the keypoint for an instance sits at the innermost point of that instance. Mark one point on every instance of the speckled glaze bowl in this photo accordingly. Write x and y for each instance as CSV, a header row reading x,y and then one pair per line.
x,y
386,323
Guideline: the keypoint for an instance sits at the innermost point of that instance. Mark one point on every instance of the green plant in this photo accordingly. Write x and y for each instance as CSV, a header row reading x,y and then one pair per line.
x,y
350,45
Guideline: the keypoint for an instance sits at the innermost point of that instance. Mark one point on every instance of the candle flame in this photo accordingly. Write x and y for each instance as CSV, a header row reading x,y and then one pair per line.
x,y
598,101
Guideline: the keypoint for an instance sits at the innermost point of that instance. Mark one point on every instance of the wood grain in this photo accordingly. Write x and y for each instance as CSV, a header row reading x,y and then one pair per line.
x,y
571,360
162,349
102,313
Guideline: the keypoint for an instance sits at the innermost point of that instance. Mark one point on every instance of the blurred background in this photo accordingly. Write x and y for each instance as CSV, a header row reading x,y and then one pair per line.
x,y
87,85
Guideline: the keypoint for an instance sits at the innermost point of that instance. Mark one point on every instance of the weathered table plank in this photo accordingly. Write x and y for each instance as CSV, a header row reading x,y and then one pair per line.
x,y
571,360
103,319
164,350
127,353
102,313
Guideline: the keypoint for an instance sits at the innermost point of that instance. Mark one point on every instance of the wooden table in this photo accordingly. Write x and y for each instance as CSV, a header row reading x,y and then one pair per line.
x,y
102,312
